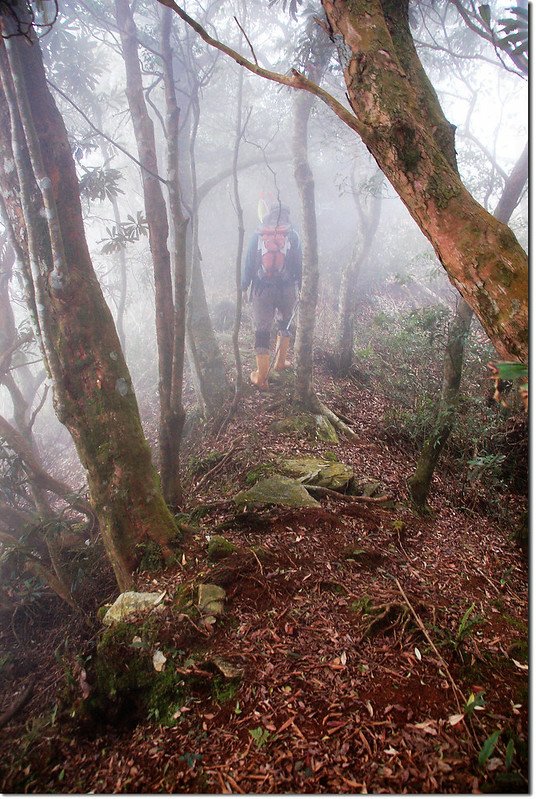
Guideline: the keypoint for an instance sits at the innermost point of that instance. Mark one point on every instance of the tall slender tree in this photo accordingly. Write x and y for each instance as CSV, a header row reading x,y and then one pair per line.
x,y
93,394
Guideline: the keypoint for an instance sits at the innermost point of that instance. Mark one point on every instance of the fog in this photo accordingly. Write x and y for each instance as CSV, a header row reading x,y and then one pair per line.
x,y
485,99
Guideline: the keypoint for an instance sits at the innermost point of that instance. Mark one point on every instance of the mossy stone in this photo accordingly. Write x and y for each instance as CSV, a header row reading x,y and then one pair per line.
x,y
131,603
125,685
317,471
210,599
219,548
311,425
277,490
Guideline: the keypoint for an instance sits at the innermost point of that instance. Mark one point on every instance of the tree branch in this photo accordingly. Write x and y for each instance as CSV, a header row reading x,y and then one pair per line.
x,y
295,80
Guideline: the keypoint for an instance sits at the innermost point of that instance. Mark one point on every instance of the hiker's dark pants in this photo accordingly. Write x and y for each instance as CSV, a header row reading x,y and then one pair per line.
x,y
269,300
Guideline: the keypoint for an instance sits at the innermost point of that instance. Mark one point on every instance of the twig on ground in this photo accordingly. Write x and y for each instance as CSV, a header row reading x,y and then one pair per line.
x,y
215,469
456,690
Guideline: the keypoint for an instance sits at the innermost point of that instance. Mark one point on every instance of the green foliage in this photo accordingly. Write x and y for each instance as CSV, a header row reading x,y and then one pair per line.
x,y
100,183
223,690
119,236
516,31
512,370
474,702
488,747
260,736
486,467
469,621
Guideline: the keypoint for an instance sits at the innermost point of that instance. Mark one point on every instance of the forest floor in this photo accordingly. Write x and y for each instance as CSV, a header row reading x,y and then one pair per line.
x,y
356,647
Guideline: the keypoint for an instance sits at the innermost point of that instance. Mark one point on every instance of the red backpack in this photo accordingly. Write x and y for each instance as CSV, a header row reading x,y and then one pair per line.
x,y
273,245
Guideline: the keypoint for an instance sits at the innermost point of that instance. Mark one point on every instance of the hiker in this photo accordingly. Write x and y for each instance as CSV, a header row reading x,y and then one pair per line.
x,y
273,269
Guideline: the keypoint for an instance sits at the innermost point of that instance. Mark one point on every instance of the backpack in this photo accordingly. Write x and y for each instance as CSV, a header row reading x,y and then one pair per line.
x,y
273,246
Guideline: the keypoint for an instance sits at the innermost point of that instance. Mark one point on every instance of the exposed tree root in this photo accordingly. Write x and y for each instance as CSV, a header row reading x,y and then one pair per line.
x,y
330,492
337,422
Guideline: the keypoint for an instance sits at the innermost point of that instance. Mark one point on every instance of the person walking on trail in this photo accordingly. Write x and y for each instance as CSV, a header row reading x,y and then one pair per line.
x,y
273,270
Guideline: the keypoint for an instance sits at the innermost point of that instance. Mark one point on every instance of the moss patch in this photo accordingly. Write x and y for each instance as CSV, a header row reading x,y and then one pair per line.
x,y
219,548
125,685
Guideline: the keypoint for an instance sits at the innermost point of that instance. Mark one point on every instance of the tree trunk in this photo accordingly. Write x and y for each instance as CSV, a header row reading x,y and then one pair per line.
x,y
350,273
93,395
304,392
480,254
157,222
239,133
179,224
419,484
208,368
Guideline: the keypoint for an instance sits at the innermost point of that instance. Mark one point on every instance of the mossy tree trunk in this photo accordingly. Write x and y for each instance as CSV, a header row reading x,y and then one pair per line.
x,y
401,122
420,482
93,394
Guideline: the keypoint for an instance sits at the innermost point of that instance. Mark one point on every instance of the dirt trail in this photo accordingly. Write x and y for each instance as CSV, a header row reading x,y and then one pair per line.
x,y
341,690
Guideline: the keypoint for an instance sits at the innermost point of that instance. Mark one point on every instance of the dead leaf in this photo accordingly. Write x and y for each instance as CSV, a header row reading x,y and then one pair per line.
x,y
455,719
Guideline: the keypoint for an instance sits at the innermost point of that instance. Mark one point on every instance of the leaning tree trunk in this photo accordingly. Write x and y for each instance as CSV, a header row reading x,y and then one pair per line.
x,y
419,484
157,222
93,394
481,255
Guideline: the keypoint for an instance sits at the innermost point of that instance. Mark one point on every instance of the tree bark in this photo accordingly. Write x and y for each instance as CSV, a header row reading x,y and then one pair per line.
x,y
179,225
480,254
92,387
208,368
157,222
304,392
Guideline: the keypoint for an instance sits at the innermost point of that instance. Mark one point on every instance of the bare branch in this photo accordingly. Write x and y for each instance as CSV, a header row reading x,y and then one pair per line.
x,y
294,80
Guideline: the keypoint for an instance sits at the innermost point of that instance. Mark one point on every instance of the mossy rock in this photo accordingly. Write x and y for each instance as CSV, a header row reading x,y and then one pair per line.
x,y
131,603
219,548
277,490
259,472
125,686
210,599
307,424
365,486
320,472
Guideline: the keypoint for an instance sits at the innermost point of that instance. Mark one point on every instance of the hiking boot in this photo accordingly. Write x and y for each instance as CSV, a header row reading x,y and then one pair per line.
x,y
283,343
260,375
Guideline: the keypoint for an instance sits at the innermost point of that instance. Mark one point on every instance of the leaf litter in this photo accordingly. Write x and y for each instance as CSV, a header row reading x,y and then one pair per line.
x,y
316,706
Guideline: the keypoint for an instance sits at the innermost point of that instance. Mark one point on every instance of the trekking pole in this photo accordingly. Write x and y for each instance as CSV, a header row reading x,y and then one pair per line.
x,y
286,330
